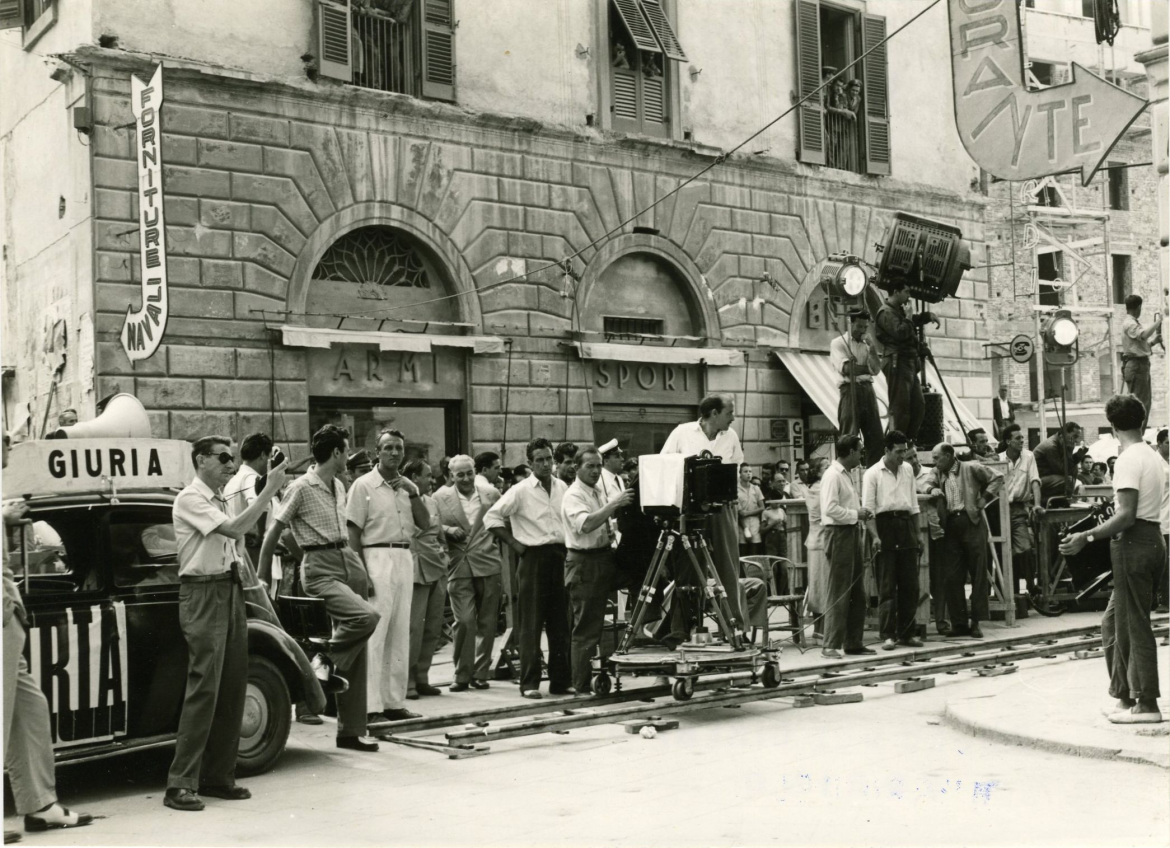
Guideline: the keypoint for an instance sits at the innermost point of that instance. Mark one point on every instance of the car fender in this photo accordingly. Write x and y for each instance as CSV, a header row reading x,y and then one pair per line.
x,y
271,641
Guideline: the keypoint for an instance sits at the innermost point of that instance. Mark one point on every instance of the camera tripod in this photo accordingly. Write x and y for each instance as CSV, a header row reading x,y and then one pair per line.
x,y
709,584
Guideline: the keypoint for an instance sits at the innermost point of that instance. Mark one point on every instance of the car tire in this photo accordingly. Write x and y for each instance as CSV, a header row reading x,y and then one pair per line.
x,y
267,718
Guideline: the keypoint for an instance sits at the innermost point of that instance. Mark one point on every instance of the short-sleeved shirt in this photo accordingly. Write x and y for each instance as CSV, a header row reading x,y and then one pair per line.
x,y
690,440
844,349
1019,477
1140,468
381,513
1132,343
197,513
535,514
579,501
883,490
240,491
314,514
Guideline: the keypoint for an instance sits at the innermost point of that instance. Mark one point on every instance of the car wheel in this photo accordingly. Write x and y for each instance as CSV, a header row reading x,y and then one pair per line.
x,y
267,718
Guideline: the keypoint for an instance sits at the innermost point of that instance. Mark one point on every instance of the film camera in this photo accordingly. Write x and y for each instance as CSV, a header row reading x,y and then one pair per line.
x,y
673,485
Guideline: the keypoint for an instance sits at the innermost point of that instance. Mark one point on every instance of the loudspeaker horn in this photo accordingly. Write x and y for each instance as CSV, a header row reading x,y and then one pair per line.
x,y
124,416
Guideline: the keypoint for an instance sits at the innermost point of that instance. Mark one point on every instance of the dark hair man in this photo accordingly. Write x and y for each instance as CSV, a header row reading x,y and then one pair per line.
x,y
1138,553
474,583
1057,457
980,444
841,509
855,363
565,456
889,491
712,432
1135,351
1003,413
240,491
533,509
961,491
1022,489
589,561
488,467
383,514
429,594
214,623
314,509
897,336
28,741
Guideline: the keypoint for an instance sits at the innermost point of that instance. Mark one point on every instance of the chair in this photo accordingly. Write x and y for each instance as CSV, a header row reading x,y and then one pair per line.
x,y
764,567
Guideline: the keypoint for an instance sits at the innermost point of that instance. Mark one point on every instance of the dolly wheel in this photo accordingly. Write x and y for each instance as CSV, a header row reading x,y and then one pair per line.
x,y
683,689
601,684
771,675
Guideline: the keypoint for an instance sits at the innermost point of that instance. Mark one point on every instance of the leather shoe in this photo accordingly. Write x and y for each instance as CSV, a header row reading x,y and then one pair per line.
x,y
889,645
912,642
11,836
228,793
831,654
412,696
355,743
460,687
568,690
531,694
427,691
857,652
55,816
401,714
480,684
975,633
310,718
182,799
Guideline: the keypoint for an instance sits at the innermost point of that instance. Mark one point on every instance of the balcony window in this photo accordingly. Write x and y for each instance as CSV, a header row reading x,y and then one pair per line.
x,y
1121,277
846,126
643,52
1118,186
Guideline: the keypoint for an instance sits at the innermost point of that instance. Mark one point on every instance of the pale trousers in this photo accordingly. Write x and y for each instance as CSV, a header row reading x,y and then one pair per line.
x,y
388,662
28,744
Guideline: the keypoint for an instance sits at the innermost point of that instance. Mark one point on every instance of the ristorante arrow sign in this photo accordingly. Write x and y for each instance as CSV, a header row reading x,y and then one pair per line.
x,y
1016,134
144,328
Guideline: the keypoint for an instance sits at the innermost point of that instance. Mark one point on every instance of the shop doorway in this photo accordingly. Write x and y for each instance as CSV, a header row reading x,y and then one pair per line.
x,y
638,429
431,429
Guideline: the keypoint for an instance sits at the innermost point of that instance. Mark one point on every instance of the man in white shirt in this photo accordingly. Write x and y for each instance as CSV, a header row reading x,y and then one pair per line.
x,y
612,458
888,491
1003,413
1136,350
712,432
1163,598
1022,489
488,467
1138,553
840,512
240,491
214,623
854,363
536,535
589,563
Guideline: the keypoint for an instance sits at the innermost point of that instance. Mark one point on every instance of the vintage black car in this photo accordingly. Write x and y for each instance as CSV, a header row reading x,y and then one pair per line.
x,y
99,577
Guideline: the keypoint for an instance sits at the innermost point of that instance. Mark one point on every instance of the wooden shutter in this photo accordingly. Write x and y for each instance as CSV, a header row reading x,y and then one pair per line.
x,y
875,79
11,14
655,112
656,15
438,49
334,46
637,26
811,120
625,95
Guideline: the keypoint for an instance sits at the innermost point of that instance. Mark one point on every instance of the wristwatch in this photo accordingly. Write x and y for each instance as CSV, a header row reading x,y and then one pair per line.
x,y
1090,538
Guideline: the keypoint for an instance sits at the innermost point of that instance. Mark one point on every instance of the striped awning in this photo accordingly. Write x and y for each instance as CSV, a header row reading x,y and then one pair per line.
x,y
816,376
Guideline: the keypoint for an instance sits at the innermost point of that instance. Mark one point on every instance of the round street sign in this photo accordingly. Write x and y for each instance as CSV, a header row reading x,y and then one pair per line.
x,y
1023,348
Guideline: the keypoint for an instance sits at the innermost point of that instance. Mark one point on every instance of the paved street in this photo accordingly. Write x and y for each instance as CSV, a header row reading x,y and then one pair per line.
x,y
887,771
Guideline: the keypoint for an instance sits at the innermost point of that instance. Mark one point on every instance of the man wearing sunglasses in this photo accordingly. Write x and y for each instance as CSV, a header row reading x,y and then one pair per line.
x,y
214,623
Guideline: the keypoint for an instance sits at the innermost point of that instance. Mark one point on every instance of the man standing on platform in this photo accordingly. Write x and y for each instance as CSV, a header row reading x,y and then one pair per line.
x,y
897,334
1003,413
840,512
890,493
314,509
1022,489
962,490
1138,554
430,587
855,362
385,512
589,562
1057,457
474,579
215,625
536,535
712,432
1135,351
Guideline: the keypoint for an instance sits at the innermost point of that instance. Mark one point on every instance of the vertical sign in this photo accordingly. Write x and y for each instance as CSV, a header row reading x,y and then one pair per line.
x,y
144,328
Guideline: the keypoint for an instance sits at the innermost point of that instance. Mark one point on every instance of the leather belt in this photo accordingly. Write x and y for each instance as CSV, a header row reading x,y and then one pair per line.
x,y
205,578
386,545
591,550
898,513
332,546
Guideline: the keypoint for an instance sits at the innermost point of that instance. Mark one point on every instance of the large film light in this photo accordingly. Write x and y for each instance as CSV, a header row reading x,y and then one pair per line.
x,y
844,277
930,256
1060,335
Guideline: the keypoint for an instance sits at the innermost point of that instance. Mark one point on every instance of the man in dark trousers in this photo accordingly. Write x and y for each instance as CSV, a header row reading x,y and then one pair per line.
x,y
897,337
1138,553
961,491
890,493
855,363
214,623
1003,413
1136,348
314,508
532,508
841,509
1057,457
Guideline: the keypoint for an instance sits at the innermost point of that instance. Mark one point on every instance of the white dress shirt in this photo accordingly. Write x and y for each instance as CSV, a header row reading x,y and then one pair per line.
x,y
689,440
611,485
844,349
884,491
838,497
535,514
576,505
197,513
240,491
471,505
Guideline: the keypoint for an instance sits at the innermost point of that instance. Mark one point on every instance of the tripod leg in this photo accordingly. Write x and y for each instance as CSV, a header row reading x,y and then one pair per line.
x,y
736,639
724,627
649,587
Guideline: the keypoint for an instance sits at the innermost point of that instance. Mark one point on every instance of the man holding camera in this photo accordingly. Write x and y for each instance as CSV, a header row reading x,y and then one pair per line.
x,y
214,623
1136,347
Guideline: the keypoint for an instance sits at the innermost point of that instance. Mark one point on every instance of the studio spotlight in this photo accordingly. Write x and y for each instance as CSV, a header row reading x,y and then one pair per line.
x,y
932,257
1060,335
845,278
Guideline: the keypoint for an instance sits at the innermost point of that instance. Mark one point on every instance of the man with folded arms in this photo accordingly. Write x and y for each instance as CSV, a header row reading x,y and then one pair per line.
x,y
533,507
383,513
888,491
840,512
314,509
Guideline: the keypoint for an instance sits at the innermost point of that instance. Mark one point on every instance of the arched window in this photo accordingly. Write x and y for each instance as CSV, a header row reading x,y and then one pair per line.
x,y
638,295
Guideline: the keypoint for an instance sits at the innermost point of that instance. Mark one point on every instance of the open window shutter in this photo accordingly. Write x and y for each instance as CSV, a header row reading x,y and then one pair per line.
x,y
811,135
438,49
875,79
631,14
334,48
11,16
656,15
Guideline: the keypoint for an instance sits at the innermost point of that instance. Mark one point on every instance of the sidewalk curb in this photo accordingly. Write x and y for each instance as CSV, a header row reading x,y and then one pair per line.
x,y
960,719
